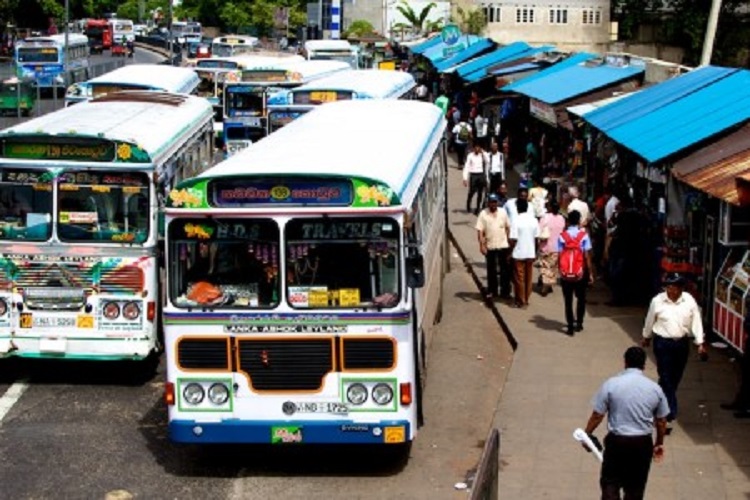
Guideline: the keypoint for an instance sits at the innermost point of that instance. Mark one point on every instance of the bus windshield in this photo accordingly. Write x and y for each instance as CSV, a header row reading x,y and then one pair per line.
x,y
347,57
37,54
244,101
224,262
316,249
25,205
112,207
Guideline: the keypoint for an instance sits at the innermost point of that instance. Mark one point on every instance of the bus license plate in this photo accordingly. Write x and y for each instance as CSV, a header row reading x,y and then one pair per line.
x,y
53,322
334,408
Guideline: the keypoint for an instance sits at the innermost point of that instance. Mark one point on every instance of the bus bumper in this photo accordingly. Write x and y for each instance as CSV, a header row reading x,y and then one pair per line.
x,y
264,432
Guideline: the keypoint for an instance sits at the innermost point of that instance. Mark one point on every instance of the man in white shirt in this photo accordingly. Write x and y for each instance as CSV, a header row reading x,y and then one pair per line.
x,y
475,176
673,317
578,205
524,231
461,138
492,228
510,205
497,167
481,126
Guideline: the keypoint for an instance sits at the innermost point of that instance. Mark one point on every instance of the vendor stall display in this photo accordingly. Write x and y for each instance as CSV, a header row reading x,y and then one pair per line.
x,y
731,300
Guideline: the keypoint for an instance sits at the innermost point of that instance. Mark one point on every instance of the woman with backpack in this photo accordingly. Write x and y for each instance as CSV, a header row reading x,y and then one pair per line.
x,y
576,270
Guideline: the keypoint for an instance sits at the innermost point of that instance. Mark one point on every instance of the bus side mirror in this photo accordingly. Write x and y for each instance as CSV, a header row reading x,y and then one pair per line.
x,y
415,271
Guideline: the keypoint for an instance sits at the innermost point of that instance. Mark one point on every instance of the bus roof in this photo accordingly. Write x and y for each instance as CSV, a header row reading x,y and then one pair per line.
x,y
327,45
382,140
236,39
147,119
73,39
365,83
249,61
150,76
297,70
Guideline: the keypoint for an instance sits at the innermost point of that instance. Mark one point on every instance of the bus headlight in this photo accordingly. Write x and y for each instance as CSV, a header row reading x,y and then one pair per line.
x,y
356,394
131,311
193,394
111,310
218,394
382,394
3,307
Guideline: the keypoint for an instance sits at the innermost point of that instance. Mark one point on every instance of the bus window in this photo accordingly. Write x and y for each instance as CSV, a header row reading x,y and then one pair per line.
x,y
103,207
244,103
25,206
317,247
37,55
230,263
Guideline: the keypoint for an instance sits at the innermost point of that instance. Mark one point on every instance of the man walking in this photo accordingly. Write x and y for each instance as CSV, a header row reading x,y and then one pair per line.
x,y
576,270
475,176
673,317
578,205
497,167
634,405
461,137
493,227
524,231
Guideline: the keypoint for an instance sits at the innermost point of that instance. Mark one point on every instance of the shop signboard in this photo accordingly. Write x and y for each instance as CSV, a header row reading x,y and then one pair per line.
x,y
543,111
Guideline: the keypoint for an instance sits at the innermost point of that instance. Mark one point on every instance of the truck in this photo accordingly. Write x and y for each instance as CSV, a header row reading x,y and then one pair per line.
x,y
99,34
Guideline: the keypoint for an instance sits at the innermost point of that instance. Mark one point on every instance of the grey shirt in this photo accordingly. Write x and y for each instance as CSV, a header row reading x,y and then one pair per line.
x,y
631,400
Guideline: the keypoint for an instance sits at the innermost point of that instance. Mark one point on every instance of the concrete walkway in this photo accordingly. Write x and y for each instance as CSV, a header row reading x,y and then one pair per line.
x,y
553,377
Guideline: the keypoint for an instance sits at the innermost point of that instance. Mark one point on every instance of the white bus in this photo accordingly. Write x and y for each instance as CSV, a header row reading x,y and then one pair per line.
x,y
286,106
245,116
233,45
122,31
303,277
337,50
186,31
81,191
41,59
157,77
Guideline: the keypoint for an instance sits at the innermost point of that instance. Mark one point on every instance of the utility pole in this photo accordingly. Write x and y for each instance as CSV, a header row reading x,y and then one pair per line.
x,y
708,41
65,52
320,19
170,40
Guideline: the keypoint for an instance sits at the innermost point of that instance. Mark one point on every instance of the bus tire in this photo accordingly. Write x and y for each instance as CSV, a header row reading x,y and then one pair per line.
x,y
145,370
397,455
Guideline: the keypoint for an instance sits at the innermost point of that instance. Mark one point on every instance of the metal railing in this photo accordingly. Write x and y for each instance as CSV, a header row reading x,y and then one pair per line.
x,y
485,485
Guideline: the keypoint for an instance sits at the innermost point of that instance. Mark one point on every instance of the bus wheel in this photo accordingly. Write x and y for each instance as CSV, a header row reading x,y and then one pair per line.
x,y
397,455
421,380
145,369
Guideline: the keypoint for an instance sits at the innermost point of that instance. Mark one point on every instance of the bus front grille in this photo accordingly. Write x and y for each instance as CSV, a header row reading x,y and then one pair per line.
x,y
203,353
286,365
55,275
127,279
368,354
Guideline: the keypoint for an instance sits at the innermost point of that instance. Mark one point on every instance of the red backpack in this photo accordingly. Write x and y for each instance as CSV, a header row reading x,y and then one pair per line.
x,y
571,261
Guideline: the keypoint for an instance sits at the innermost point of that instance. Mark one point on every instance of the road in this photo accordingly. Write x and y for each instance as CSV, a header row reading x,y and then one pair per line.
x,y
87,430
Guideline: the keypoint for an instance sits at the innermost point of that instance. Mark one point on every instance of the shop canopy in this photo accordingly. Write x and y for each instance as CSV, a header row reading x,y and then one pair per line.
x,y
516,68
482,72
701,111
442,51
487,60
476,48
573,60
421,47
573,81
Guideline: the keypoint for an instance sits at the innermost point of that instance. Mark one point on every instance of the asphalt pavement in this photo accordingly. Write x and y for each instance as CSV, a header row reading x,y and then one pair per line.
x,y
546,394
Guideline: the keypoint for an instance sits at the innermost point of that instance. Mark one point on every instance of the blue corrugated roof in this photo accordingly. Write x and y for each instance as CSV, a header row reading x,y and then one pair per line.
x,y
699,115
651,98
470,51
576,80
481,73
435,52
565,63
488,59
515,69
430,42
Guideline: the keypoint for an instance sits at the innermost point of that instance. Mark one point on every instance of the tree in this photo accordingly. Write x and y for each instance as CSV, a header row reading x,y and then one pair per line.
x,y
471,21
359,28
417,20
234,16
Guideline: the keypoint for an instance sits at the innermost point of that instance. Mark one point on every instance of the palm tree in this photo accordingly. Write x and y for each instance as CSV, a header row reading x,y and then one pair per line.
x,y
417,20
472,21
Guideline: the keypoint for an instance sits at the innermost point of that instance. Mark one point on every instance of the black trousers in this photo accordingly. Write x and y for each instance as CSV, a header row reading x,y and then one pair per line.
x,y
495,180
627,461
577,289
671,359
477,185
498,264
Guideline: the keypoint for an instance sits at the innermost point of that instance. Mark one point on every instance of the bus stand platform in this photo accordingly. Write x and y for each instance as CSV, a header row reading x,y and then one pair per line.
x,y
552,378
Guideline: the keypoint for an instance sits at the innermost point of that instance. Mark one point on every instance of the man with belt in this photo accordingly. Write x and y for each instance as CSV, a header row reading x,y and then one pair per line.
x,y
492,228
634,405
673,317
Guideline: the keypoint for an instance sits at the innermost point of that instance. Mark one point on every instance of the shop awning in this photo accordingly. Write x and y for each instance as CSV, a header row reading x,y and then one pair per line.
x,y
470,51
589,107
523,55
423,46
441,51
720,179
583,78
517,68
714,152
573,60
678,124
656,96
488,60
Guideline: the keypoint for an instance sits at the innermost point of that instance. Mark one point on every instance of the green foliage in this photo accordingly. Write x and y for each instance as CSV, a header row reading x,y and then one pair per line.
x,y
471,21
417,20
359,28
234,16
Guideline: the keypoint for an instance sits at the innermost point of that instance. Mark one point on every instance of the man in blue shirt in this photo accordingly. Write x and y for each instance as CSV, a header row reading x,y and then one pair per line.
x,y
634,405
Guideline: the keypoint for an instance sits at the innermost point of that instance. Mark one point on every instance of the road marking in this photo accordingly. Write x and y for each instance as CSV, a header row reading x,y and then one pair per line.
x,y
11,397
